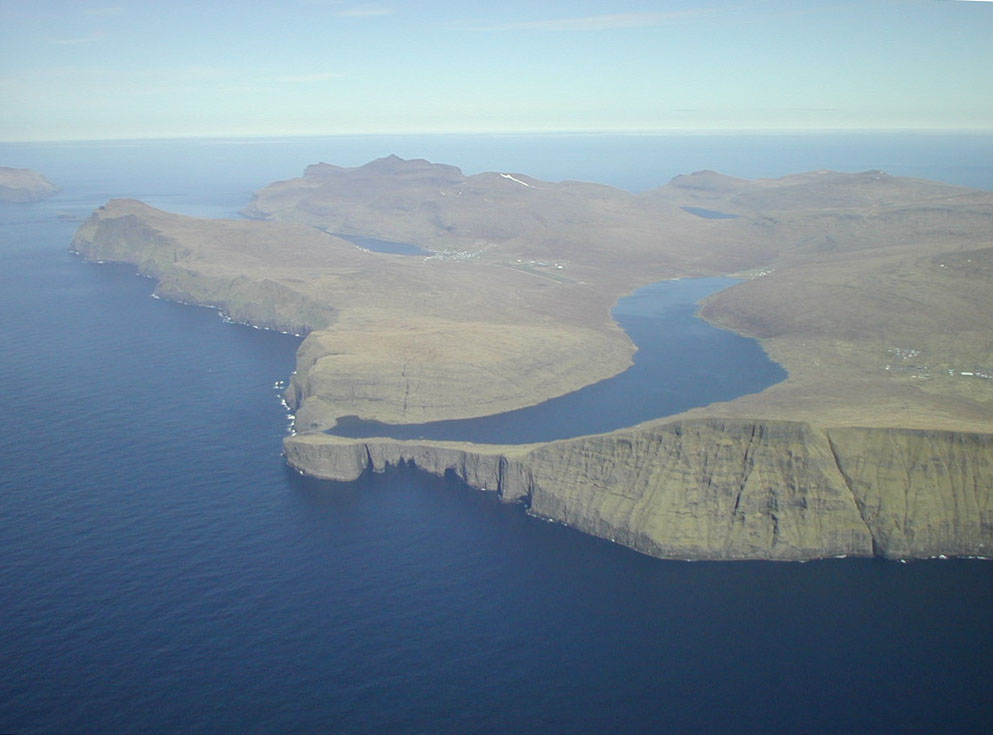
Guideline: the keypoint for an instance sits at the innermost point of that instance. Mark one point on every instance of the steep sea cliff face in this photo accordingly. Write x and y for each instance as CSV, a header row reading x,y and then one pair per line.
x,y
704,490
715,489
758,487
921,493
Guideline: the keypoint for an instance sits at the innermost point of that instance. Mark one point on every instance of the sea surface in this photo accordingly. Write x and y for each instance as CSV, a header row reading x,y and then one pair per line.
x,y
161,570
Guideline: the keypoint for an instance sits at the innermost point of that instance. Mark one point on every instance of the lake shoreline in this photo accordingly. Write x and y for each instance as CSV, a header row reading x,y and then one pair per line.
x,y
673,343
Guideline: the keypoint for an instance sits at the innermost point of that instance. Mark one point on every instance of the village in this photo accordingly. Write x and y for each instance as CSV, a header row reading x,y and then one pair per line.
x,y
924,372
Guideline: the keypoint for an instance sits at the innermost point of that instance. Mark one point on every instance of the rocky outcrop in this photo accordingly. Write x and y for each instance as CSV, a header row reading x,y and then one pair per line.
x,y
714,489
21,185
497,468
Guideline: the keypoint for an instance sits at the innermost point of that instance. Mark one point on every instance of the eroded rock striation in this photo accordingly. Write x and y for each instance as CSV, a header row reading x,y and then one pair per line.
x,y
921,493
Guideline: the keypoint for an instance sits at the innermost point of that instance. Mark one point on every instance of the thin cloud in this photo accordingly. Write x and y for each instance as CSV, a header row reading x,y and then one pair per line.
x,y
611,21
96,36
318,77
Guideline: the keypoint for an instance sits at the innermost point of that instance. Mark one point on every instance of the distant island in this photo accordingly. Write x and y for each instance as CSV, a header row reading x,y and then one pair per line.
x,y
24,185
874,292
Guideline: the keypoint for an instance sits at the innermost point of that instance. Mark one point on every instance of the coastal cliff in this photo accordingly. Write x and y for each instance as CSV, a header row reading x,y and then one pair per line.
x,y
921,493
722,489
389,338
169,248
500,468
871,291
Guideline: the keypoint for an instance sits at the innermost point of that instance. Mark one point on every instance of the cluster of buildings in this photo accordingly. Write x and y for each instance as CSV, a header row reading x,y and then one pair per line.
x,y
922,371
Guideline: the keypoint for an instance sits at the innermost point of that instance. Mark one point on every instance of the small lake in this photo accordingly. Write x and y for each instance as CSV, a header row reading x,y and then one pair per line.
x,y
708,213
682,362
384,246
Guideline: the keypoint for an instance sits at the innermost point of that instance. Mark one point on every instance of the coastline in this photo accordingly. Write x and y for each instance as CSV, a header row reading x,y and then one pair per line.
x,y
844,458
720,488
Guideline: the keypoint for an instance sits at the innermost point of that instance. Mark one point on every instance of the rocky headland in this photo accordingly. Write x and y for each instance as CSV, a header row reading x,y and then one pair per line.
x,y
21,185
874,292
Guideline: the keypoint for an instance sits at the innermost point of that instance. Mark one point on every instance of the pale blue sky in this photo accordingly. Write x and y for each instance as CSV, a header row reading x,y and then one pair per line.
x,y
131,69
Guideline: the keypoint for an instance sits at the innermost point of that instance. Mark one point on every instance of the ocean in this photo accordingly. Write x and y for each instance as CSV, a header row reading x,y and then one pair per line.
x,y
161,570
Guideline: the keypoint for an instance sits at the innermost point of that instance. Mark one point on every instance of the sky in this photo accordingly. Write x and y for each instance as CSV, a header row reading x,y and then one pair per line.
x,y
77,70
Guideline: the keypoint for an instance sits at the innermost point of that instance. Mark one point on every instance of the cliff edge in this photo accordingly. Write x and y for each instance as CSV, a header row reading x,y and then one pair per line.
x,y
872,291
722,489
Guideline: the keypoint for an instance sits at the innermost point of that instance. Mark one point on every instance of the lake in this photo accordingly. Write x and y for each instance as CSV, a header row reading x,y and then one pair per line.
x,y
161,569
682,362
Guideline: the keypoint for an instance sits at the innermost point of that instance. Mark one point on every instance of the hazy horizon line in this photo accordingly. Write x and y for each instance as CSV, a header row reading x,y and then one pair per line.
x,y
512,133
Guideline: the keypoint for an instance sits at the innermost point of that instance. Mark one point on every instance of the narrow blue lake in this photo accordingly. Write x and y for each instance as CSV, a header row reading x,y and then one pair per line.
x,y
383,246
682,362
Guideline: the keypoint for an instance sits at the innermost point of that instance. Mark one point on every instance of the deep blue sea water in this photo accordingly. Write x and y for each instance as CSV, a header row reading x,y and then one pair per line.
x,y
162,571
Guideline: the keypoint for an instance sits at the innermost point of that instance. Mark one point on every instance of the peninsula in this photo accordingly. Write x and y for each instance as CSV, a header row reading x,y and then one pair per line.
x,y
874,292
24,185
